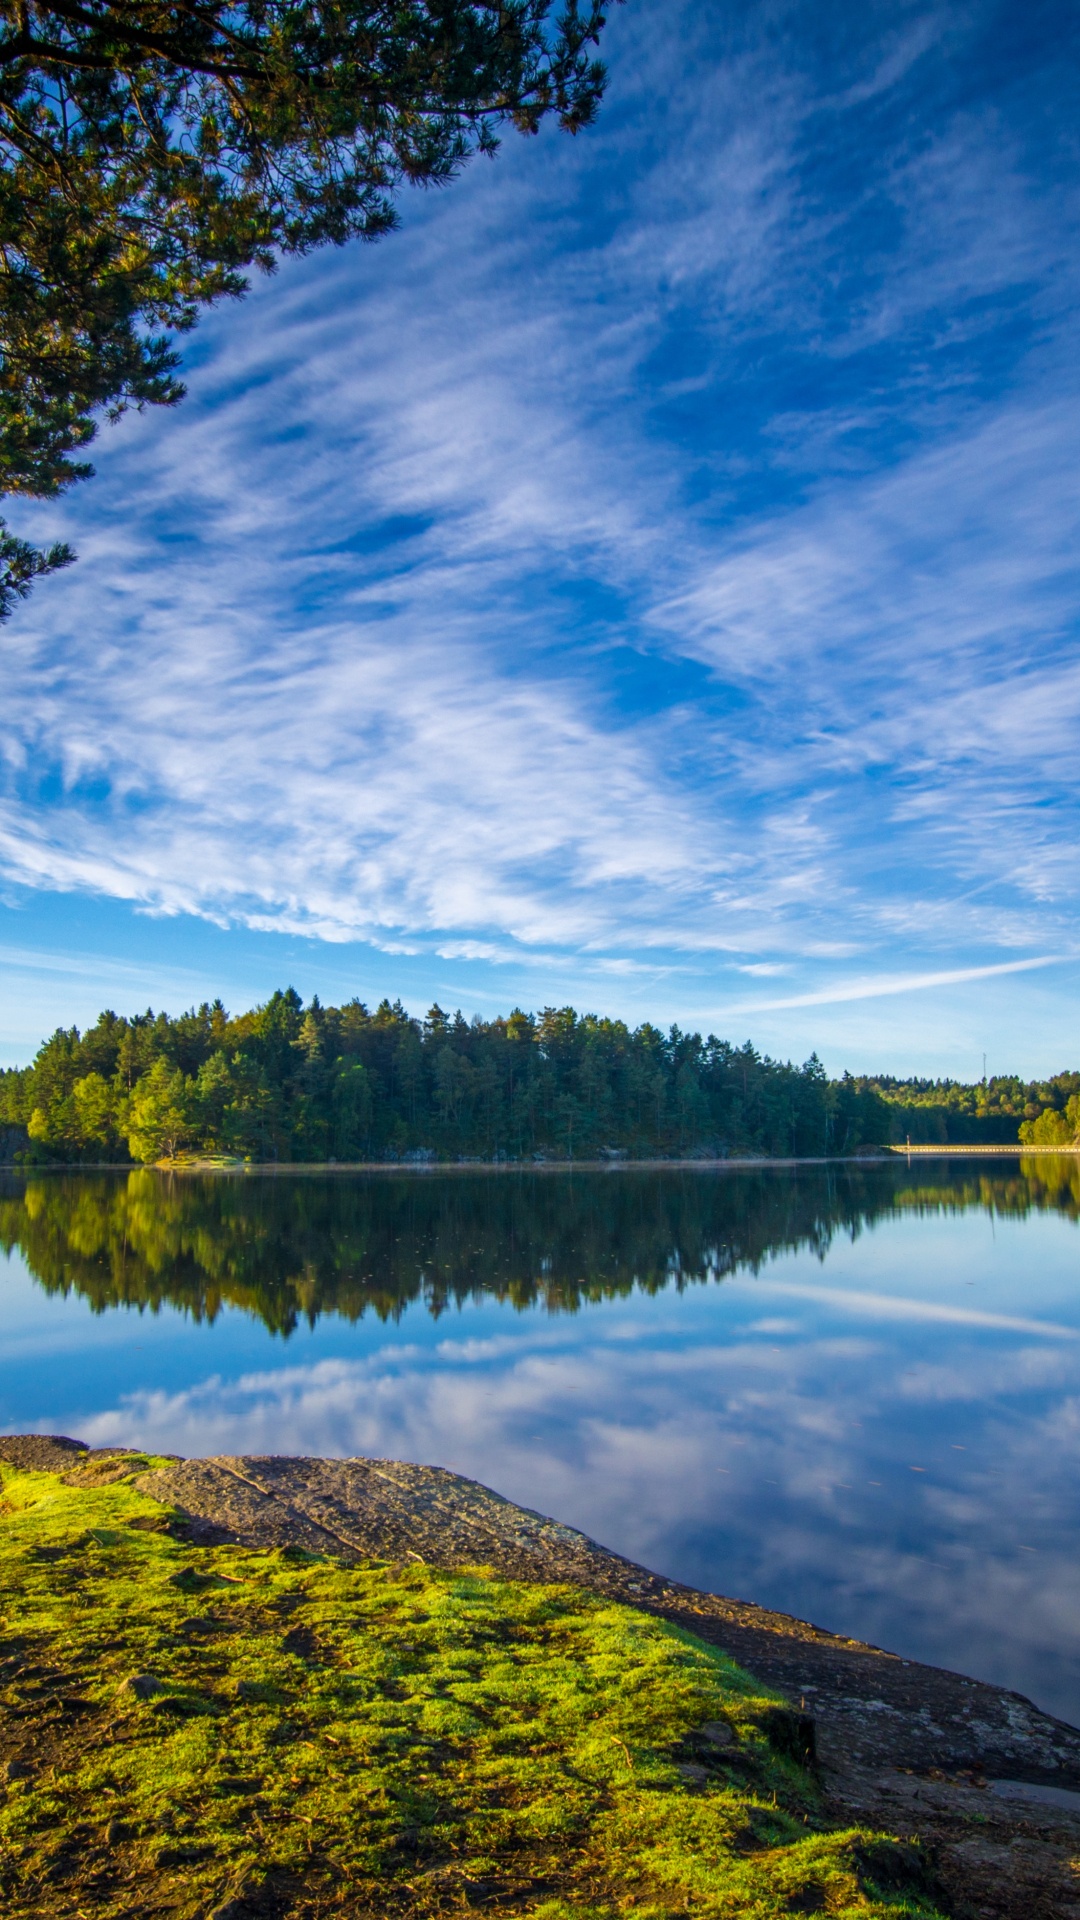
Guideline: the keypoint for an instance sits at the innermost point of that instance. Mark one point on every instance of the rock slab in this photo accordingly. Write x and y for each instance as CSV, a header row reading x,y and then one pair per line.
x,y
899,1744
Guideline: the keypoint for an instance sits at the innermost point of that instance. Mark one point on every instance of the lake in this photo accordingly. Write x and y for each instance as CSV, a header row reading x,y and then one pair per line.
x,y
848,1391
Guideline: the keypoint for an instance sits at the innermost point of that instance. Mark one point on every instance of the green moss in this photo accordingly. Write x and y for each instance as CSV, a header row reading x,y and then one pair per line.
x,y
187,1728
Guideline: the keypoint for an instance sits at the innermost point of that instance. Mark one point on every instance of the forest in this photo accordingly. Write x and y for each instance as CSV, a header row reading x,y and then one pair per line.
x,y
285,1083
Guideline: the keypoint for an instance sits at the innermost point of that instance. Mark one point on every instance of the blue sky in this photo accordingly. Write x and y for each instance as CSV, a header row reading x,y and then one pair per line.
x,y
648,580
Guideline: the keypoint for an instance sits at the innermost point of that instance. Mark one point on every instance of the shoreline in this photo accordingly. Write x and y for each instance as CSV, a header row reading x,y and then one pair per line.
x,y
743,1163
936,1757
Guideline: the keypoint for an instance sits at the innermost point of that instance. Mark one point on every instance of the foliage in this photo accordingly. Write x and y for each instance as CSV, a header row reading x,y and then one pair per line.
x,y
287,1083
190,1727
162,1113
150,151
21,564
950,1111
1055,1126
284,1083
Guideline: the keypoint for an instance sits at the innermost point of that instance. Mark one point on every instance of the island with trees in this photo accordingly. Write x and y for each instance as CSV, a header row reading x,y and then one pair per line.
x,y
289,1083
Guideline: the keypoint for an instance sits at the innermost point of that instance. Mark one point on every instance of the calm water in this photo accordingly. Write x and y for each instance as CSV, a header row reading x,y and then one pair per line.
x,y
852,1393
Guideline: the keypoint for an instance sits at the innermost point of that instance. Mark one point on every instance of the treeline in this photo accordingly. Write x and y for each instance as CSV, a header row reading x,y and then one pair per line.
x,y
1001,1109
293,1084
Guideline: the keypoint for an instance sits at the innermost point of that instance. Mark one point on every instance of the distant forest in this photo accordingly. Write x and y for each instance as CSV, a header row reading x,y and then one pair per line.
x,y
296,1084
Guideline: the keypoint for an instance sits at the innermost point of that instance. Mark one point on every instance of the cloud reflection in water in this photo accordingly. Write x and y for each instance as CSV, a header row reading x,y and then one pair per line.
x,y
891,1449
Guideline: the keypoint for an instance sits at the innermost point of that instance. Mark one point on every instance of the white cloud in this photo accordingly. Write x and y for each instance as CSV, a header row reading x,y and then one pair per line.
x,y
454,609
884,985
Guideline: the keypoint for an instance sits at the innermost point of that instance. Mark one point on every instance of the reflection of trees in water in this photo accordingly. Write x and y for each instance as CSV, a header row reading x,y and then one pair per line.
x,y
284,1248
1033,1183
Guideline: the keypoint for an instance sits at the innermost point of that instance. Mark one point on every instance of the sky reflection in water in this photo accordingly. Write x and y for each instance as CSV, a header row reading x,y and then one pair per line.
x,y
867,1413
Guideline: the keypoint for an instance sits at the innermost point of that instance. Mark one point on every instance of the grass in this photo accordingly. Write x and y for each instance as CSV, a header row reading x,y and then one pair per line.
x,y
222,1731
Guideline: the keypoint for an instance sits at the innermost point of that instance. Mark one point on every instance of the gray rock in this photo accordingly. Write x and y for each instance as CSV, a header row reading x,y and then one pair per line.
x,y
143,1686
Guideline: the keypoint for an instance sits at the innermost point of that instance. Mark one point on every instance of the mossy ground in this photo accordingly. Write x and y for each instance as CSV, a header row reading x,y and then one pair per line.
x,y
190,1731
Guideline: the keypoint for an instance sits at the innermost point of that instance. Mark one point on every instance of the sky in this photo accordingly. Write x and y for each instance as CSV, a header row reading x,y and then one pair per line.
x,y
649,580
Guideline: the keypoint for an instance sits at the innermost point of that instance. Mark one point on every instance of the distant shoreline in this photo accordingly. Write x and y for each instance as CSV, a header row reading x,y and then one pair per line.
x,y
906,1153
737,1164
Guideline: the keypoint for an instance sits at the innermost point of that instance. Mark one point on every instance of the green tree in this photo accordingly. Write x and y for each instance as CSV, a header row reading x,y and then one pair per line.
x,y
162,1116
1053,1128
151,150
214,1096
95,1102
352,1107
454,1079
692,1107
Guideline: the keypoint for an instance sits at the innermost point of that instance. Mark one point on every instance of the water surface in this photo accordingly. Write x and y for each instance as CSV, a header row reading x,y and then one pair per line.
x,y
849,1392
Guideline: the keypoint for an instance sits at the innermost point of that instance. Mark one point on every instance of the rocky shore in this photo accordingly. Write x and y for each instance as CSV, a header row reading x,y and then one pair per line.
x,y
988,1783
